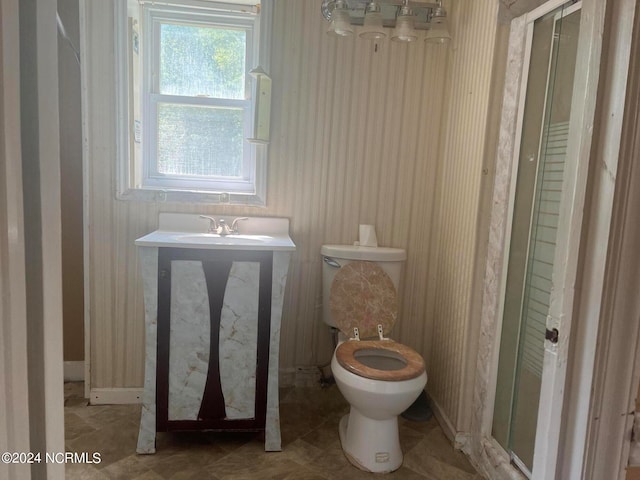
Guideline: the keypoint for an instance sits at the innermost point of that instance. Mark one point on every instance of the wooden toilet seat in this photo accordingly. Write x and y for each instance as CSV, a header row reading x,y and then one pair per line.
x,y
345,354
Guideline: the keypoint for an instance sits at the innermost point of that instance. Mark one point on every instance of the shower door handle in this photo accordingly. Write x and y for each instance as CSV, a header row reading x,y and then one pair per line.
x,y
552,335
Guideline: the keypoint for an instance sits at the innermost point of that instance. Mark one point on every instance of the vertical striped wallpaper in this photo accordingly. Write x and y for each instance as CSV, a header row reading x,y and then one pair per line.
x,y
473,30
391,136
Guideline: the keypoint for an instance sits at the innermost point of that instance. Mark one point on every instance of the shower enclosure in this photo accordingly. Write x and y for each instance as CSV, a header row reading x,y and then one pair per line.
x,y
536,198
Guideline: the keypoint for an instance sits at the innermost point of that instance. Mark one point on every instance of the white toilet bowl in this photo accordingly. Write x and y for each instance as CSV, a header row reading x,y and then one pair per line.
x,y
369,433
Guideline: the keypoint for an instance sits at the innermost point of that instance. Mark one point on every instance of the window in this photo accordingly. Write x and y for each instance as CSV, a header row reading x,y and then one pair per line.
x,y
190,103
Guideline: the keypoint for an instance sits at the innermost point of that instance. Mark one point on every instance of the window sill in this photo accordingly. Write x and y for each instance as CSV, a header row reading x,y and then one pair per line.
x,y
186,196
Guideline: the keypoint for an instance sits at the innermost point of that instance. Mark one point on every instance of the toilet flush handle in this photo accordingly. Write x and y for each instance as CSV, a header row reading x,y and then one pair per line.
x,y
331,262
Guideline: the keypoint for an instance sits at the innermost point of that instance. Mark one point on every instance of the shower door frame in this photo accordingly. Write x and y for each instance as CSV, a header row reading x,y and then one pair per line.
x,y
591,91
550,352
565,266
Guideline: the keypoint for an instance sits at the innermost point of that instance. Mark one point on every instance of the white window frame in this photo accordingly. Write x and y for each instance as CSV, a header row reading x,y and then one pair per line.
x,y
154,17
250,188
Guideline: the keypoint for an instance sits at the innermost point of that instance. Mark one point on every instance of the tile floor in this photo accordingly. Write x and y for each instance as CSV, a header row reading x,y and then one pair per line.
x,y
311,447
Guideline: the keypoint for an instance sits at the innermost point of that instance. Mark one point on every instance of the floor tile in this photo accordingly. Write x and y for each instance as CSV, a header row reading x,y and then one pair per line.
x,y
80,471
422,460
311,445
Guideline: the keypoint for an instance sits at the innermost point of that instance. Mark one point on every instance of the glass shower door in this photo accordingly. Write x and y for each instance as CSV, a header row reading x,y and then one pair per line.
x,y
538,192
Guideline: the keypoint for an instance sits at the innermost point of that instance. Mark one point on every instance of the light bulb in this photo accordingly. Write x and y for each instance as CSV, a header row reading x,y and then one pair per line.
x,y
340,25
404,31
372,29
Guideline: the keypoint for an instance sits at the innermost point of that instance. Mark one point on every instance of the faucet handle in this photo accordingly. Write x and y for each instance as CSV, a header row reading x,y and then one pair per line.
x,y
213,225
234,224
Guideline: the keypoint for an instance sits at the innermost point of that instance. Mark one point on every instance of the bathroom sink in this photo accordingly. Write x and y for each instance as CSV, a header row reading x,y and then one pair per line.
x,y
215,239
185,230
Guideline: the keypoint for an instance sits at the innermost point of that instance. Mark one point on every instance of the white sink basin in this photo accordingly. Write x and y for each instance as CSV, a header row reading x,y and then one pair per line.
x,y
225,239
190,231
215,239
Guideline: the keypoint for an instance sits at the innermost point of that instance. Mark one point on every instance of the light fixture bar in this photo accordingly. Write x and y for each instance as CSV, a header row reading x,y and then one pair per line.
x,y
358,7
423,15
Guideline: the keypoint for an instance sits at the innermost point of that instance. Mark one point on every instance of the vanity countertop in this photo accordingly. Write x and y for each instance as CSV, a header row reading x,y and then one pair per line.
x,y
191,231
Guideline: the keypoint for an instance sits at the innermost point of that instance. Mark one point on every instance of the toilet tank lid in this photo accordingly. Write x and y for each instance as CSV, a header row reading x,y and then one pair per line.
x,y
357,252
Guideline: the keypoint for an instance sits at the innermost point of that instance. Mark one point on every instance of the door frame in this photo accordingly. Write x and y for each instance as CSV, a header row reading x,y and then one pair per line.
x,y
30,237
14,390
616,355
596,122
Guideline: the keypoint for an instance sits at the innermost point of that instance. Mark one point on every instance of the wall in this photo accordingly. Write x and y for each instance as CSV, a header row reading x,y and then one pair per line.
x,y
459,226
355,139
71,184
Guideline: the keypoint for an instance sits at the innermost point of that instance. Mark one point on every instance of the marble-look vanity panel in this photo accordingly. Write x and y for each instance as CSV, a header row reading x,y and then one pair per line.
x,y
149,267
272,442
189,340
238,340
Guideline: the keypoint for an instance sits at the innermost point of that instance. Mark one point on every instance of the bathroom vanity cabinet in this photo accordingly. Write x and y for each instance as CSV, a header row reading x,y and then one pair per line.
x,y
213,307
192,306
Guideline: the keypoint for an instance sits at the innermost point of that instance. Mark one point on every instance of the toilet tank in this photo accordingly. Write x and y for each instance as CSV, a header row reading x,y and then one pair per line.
x,y
336,256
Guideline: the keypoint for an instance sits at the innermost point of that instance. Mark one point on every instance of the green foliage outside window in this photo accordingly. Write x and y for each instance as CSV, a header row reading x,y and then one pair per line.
x,y
202,61
196,140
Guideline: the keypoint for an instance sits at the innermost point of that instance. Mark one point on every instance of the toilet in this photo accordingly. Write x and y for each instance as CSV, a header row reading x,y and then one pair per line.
x,y
380,378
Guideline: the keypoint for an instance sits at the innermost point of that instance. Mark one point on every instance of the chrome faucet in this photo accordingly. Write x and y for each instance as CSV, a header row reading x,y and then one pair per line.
x,y
220,226
223,228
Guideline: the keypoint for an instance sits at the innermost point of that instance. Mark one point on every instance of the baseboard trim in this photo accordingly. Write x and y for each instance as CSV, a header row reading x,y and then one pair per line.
x,y
445,423
74,371
299,376
115,396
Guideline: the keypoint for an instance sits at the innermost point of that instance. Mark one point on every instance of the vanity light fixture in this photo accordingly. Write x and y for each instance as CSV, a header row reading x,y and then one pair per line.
x,y
370,18
340,24
439,31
